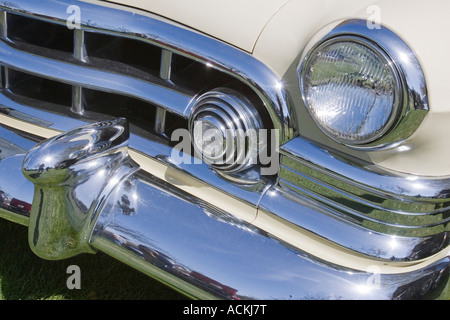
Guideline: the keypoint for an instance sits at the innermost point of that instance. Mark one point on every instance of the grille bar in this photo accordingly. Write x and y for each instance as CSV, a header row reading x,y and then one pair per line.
x,y
212,63
168,83
166,65
77,100
156,92
160,120
79,47
3,24
181,63
79,52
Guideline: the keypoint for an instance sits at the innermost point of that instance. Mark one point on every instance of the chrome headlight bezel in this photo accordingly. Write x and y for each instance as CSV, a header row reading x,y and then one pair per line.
x,y
412,90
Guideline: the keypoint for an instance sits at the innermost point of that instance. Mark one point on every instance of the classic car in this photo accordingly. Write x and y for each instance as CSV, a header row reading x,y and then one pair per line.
x,y
259,149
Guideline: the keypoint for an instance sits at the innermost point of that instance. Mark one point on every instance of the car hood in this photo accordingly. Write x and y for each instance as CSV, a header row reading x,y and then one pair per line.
x,y
234,21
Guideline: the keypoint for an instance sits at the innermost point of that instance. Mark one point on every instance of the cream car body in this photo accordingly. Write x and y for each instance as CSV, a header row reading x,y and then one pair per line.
x,y
279,30
330,209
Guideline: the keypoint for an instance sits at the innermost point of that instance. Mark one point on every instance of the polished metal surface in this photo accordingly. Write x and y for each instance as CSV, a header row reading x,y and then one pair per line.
x,y
167,218
16,193
172,236
414,96
159,33
305,166
160,121
153,148
72,174
154,92
225,129
167,233
166,65
394,216
79,46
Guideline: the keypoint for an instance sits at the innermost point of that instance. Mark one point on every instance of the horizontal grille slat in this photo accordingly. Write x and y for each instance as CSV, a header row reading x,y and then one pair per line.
x,y
156,92
93,75
393,210
90,73
219,64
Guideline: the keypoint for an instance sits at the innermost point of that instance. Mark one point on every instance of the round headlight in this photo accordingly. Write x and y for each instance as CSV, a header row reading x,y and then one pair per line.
x,y
351,89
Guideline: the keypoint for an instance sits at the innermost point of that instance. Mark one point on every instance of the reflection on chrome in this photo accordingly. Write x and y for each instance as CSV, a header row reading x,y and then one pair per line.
x,y
184,241
70,186
14,205
161,218
16,193
360,201
414,101
394,244
198,243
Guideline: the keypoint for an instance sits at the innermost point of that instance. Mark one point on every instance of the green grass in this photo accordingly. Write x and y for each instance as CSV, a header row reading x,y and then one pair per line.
x,y
25,276
445,293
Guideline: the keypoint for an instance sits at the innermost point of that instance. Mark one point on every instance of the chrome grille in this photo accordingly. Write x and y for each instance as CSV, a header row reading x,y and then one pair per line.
x,y
93,74
123,62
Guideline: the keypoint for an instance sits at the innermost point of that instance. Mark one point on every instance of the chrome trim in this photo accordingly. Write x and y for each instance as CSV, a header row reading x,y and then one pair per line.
x,y
79,47
324,167
161,33
72,174
3,24
160,120
414,94
13,149
151,147
180,236
239,124
176,239
171,235
249,193
77,100
80,75
166,65
394,216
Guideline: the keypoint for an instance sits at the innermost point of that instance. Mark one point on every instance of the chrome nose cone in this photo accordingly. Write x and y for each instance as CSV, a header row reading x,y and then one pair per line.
x,y
47,160
73,174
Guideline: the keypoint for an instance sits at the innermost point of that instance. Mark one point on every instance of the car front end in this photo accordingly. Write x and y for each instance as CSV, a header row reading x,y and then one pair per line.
x,y
298,153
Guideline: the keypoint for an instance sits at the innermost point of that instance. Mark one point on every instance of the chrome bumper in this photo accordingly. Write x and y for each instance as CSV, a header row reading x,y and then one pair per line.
x,y
326,226
145,217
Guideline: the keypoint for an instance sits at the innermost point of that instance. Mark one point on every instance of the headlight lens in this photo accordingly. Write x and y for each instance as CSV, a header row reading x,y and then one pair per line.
x,y
352,89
